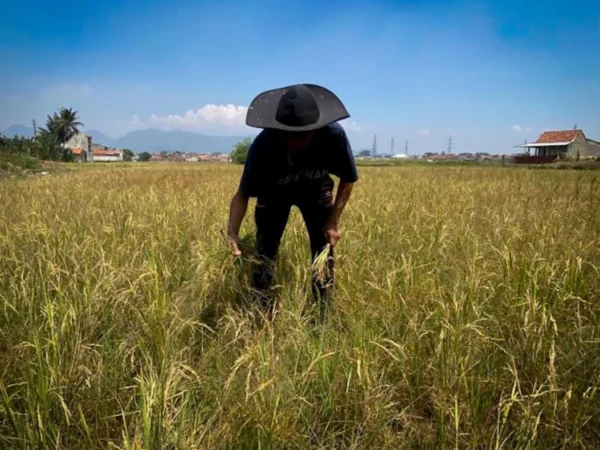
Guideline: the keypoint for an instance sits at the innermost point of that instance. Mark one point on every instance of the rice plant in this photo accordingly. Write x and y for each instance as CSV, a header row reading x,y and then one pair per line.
x,y
466,314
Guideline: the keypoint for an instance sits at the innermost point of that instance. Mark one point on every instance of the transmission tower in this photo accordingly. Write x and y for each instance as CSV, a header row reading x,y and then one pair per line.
x,y
374,149
392,147
406,147
450,145
34,129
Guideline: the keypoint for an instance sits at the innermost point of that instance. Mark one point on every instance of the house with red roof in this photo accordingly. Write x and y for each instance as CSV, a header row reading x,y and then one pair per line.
x,y
81,146
79,154
554,144
108,155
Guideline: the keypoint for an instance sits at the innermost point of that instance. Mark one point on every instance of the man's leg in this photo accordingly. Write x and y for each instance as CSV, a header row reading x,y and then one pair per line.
x,y
315,216
271,219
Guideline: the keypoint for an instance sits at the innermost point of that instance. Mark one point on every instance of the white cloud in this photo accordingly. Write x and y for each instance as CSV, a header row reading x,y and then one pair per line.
x,y
423,132
519,128
211,117
208,116
350,125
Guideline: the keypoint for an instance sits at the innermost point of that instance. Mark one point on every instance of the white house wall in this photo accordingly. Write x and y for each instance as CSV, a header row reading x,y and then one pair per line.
x,y
592,149
107,158
79,140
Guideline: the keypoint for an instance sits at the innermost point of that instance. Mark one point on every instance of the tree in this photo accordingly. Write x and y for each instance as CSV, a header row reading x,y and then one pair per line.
x,y
67,155
17,144
365,153
145,156
64,124
240,151
49,143
128,154
46,146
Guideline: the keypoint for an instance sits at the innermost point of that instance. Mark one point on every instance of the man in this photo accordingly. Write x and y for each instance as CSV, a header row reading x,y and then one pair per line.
x,y
289,163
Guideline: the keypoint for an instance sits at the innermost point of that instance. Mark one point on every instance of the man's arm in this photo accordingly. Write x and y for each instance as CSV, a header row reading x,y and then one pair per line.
x,y
247,188
345,169
341,198
237,211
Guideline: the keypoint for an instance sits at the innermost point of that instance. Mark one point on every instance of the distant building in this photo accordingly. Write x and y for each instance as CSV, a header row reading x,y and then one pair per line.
x,y
190,157
79,154
176,157
215,157
108,155
553,144
81,146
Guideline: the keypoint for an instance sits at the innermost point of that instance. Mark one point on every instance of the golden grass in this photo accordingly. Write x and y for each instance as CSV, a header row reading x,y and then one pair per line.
x,y
466,315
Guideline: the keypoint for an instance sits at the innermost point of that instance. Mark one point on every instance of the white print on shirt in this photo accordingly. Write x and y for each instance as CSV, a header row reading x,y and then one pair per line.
x,y
305,174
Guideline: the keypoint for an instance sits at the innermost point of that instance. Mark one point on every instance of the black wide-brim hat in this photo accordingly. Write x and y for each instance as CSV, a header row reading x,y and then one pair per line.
x,y
299,107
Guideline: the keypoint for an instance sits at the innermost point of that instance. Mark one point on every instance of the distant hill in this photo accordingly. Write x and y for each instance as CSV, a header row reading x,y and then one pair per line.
x,y
100,138
153,140
18,130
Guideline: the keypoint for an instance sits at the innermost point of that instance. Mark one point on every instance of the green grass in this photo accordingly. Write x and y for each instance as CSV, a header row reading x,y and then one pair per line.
x,y
466,315
17,163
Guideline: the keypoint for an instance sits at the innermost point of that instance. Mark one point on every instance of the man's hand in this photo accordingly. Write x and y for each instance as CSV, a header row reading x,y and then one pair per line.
x,y
331,226
331,233
239,205
235,244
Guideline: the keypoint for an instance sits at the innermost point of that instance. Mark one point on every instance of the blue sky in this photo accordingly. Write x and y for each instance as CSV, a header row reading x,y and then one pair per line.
x,y
490,73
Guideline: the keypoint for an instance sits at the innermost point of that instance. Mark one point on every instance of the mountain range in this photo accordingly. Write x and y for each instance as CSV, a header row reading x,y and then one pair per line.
x,y
152,140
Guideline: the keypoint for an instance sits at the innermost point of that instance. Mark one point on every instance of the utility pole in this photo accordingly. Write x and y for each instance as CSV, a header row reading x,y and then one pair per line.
x,y
34,129
575,127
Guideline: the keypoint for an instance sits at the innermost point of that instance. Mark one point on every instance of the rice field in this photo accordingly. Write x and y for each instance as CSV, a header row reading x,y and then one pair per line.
x,y
466,314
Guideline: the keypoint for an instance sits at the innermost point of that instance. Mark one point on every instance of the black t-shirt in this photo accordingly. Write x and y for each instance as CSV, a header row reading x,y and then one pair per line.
x,y
271,168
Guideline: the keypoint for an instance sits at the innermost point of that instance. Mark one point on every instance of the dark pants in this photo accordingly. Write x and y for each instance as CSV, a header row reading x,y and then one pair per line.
x,y
271,218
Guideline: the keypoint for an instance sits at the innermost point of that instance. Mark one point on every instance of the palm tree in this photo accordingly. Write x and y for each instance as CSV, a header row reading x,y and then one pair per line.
x,y
64,124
